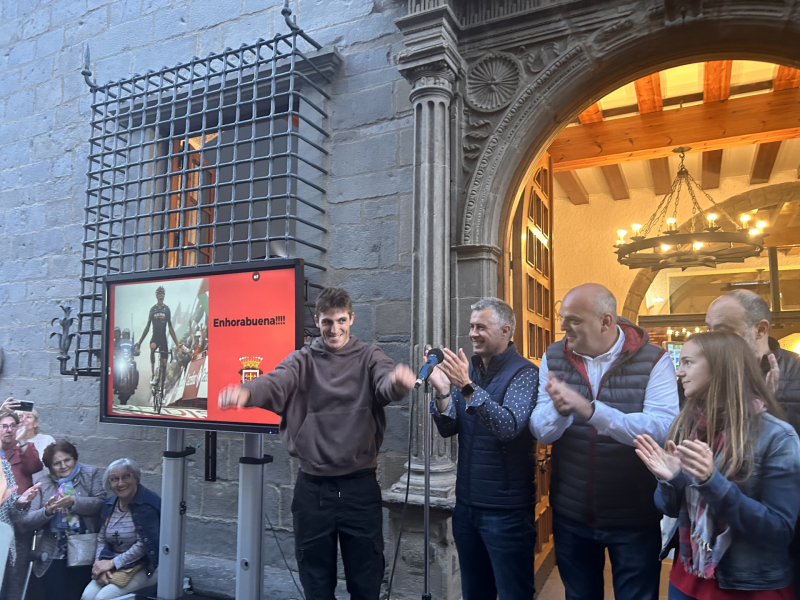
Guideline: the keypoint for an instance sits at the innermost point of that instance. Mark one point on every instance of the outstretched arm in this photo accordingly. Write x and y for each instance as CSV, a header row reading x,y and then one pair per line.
x,y
144,333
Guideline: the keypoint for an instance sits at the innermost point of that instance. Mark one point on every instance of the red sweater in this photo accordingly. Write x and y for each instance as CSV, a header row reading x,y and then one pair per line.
x,y
24,463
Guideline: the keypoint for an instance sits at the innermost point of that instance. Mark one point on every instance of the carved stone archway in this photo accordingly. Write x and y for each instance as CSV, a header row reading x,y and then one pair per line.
x,y
586,68
762,197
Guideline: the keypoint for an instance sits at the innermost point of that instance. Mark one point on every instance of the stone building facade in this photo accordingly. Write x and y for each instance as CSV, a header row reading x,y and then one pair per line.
x,y
436,114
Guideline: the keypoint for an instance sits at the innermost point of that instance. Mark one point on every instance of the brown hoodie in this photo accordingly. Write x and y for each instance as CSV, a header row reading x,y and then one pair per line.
x,y
331,405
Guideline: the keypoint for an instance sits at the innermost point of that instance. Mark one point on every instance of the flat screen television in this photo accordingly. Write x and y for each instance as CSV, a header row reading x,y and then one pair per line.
x,y
232,324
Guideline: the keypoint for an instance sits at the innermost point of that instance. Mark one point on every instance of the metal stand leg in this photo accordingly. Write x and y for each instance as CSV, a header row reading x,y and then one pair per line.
x,y
426,448
250,528
173,509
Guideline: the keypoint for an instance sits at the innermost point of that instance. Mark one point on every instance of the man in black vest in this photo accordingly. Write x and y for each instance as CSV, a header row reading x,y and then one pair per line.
x,y
745,313
487,401
599,387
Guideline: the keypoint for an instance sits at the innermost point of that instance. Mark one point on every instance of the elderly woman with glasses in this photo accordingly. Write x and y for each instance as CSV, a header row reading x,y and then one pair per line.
x,y
70,503
127,545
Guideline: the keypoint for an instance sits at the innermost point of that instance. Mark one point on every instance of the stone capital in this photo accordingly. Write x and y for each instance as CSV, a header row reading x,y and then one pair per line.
x,y
431,78
430,60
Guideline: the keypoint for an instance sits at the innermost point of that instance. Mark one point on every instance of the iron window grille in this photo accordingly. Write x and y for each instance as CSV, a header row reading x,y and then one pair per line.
x,y
216,161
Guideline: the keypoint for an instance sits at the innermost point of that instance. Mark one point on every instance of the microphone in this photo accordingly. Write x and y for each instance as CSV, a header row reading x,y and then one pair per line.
x,y
435,357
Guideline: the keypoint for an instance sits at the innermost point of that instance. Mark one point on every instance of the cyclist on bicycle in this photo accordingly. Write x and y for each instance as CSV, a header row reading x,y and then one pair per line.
x,y
161,317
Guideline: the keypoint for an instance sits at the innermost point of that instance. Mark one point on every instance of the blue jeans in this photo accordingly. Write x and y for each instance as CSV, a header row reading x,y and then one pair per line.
x,y
675,594
495,551
580,556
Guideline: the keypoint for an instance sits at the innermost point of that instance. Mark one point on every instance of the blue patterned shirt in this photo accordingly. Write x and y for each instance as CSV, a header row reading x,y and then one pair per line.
x,y
507,420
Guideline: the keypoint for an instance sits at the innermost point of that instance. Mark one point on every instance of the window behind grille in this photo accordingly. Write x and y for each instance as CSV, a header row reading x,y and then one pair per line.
x,y
216,161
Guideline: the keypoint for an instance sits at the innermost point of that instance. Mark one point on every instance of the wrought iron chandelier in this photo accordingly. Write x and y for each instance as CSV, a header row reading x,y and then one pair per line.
x,y
711,236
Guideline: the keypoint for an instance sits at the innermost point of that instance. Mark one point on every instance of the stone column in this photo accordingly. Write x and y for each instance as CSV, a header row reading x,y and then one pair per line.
x,y
431,65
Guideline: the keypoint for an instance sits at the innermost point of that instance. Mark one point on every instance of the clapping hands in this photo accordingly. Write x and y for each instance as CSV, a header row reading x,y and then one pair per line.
x,y
566,400
693,456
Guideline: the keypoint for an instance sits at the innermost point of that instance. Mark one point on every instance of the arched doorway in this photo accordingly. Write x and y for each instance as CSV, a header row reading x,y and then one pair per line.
x,y
526,272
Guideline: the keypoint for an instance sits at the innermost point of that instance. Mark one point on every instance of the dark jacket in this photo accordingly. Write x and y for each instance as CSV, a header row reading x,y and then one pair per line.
x,y
331,405
492,473
761,511
146,513
789,383
89,499
597,480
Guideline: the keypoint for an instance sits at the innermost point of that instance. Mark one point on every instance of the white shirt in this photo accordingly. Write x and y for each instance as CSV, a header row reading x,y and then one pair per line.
x,y
659,410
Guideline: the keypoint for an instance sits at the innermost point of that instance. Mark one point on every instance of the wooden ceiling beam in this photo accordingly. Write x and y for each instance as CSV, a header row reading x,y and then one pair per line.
x,y
764,162
573,186
593,114
648,94
786,78
716,87
712,164
662,178
615,179
717,80
790,236
794,220
736,122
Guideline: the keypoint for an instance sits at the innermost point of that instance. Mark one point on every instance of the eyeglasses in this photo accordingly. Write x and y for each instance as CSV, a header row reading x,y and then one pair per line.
x,y
118,478
8,427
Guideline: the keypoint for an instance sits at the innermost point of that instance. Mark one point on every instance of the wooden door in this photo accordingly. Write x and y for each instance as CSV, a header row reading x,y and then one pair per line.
x,y
530,287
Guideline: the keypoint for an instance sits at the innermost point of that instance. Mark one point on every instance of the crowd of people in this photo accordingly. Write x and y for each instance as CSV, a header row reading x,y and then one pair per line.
x,y
69,530
704,460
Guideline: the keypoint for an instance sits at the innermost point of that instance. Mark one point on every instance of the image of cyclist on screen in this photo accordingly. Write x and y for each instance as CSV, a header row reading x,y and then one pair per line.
x,y
161,318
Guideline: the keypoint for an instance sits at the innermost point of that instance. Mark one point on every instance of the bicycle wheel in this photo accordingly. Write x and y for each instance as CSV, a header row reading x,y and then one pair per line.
x,y
160,392
158,389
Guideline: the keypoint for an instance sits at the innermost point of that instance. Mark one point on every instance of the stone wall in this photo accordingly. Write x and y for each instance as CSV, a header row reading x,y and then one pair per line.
x,y
44,126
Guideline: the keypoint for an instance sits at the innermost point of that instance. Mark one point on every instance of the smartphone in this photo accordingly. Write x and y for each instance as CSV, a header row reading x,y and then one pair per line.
x,y
25,405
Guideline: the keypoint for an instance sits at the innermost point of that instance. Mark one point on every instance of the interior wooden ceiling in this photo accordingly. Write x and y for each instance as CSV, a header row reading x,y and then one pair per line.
x,y
739,117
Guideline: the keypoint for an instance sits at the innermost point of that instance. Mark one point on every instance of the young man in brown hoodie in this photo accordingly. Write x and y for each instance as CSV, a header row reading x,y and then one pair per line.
x,y
330,396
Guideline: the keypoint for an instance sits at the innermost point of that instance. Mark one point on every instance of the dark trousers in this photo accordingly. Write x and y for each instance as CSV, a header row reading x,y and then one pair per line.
x,y
495,552
581,557
17,573
347,510
61,581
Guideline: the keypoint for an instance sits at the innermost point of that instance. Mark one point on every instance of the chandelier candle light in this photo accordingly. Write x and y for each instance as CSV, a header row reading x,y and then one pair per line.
x,y
704,243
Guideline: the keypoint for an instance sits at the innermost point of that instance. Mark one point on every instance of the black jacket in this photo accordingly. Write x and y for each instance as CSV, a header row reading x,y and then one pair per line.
x,y
789,384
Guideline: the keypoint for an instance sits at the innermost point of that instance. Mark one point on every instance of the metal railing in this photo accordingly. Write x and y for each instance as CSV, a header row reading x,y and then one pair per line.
x,y
219,160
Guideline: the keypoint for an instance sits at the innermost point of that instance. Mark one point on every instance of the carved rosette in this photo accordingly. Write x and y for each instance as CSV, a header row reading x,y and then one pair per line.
x,y
492,82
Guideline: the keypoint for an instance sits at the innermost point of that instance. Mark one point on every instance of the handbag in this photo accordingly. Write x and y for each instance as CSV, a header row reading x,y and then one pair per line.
x,y
122,577
81,548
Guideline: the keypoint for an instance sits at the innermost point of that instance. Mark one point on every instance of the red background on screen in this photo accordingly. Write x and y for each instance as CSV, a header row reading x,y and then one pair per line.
x,y
235,296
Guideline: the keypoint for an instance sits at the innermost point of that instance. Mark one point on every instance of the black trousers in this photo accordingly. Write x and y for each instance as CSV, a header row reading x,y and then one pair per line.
x,y
344,510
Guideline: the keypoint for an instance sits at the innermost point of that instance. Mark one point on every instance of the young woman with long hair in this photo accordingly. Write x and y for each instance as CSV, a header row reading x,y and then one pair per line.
x,y
730,474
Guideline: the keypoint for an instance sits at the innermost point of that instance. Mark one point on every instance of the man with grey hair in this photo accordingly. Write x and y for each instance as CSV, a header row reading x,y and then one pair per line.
x,y
487,401
746,314
600,387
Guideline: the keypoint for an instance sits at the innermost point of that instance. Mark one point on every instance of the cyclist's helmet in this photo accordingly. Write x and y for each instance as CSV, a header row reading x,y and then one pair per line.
x,y
126,334
160,290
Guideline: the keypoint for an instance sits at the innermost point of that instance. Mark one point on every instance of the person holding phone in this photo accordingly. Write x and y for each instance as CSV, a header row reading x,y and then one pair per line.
x,y
29,431
730,474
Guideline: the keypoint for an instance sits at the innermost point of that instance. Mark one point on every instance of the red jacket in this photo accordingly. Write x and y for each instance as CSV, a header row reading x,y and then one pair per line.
x,y
24,463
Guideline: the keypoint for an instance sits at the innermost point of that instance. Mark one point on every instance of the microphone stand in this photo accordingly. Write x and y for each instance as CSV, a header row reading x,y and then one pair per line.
x,y
426,445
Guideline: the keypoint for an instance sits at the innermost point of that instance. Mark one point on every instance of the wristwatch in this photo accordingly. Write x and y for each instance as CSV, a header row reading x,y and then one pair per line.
x,y
442,396
467,390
